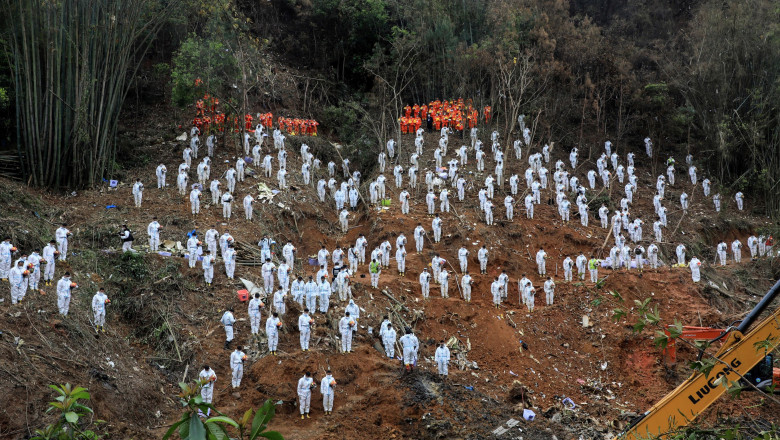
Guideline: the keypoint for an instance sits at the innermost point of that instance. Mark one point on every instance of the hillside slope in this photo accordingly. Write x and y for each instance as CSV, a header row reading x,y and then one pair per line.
x,y
164,323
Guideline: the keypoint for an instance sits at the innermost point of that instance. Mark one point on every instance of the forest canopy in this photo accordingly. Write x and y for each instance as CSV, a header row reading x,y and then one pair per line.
x,y
696,76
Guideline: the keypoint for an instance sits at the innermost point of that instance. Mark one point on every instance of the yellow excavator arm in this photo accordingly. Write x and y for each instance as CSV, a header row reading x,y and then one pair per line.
x,y
738,355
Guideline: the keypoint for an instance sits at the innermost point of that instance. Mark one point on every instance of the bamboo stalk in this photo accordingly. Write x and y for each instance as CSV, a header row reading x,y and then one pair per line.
x,y
73,62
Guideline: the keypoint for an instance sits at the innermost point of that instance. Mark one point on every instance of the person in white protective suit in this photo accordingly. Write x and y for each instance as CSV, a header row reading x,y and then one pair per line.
x,y
6,252
305,385
208,379
237,359
549,291
328,390
64,289
736,249
62,235
347,326
541,257
254,310
153,231
229,258
740,198
721,250
467,282
138,192
18,277
568,266
680,251
280,306
228,320
272,326
227,205
160,173
388,335
442,358
410,345
305,323
50,254
463,259
248,208
425,283
99,303
695,266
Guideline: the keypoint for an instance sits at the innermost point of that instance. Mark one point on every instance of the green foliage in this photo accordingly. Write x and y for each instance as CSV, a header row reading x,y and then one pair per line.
x,y
703,366
595,203
4,98
615,294
194,426
343,120
646,315
662,340
72,412
618,314
206,59
133,265
348,31
658,93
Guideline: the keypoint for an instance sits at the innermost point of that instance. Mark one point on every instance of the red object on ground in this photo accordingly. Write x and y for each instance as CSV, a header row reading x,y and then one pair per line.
x,y
243,295
693,334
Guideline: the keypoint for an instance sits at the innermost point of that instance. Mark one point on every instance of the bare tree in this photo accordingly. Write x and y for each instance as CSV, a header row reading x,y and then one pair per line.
x,y
393,73
516,87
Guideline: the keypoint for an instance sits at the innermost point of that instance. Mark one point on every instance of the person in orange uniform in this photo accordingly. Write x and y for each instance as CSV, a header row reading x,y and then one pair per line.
x,y
407,111
416,110
487,114
248,122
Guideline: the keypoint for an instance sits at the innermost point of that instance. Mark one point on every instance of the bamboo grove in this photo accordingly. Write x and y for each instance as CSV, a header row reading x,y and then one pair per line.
x,y
71,62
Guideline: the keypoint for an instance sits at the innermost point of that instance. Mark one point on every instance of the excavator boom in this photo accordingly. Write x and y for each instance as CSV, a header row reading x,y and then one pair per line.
x,y
738,355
